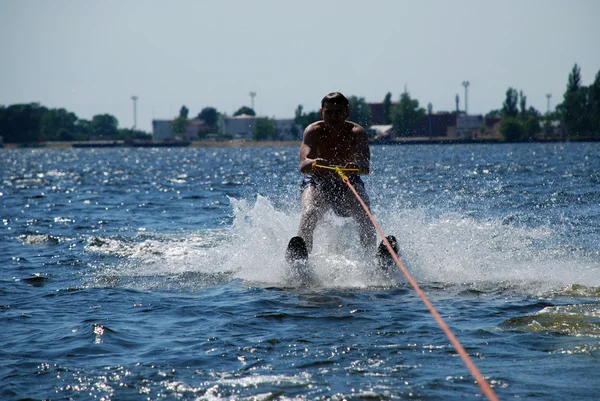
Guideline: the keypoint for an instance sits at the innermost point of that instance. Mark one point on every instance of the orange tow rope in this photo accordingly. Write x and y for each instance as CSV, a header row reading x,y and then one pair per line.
x,y
483,384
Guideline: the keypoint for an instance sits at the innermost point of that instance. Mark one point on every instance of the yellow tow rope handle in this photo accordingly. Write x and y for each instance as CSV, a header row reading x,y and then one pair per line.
x,y
339,170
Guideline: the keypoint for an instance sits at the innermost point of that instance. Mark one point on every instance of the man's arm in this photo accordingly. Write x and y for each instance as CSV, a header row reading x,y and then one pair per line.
x,y
363,154
308,150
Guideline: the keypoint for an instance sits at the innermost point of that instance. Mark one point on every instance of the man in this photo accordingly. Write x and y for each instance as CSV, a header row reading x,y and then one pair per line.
x,y
333,141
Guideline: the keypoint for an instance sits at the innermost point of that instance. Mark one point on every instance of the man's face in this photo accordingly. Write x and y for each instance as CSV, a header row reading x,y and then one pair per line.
x,y
334,114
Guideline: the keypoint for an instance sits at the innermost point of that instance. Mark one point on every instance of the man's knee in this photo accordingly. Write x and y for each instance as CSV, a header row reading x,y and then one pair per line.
x,y
312,198
361,216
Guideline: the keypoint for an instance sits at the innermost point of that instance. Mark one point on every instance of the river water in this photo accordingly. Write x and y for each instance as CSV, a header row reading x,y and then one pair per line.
x,y
159,274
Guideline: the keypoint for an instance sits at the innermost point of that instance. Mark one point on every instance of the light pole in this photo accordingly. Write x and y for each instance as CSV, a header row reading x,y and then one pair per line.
x,y
252,95
548,96
429,108
134,98
466,85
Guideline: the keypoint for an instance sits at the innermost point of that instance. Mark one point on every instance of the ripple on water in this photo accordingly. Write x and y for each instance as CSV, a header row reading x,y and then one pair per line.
x,y
571,320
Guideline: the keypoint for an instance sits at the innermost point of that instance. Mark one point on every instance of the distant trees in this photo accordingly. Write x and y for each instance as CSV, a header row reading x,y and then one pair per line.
x,y
387,108
509,107
104,126
264,129
360,111
21,123
245,110
180,124
518,122
58,124
594,98
573,108
405,113
305,119
496,113
511,129
579,109
31,123
210,116
578,113
184,112
83,128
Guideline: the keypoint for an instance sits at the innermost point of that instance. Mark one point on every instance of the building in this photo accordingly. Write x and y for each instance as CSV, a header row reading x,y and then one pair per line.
x,y
162,130
467,125
287,129
490,129
380,133
377,113
239,127
435,125
446,125
194,128
242,127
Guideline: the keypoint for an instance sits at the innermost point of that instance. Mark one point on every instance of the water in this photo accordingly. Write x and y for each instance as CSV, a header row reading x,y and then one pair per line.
x,y
130,274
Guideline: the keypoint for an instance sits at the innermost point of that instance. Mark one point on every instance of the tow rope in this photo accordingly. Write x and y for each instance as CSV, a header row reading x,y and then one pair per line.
x,y
486,389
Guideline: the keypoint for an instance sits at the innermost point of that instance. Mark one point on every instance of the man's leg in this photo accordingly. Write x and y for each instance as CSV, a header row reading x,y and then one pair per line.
x,y
367,234
313,208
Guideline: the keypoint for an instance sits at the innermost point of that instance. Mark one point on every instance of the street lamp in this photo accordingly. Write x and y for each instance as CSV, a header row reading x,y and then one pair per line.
x,y
429,108
252,95
548,96
134,98
466,85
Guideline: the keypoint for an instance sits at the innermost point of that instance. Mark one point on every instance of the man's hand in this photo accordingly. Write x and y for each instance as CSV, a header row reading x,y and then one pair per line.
x,y
352,165
322,162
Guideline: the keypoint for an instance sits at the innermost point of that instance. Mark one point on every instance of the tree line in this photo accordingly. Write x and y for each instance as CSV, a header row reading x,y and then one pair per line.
x,y
578,115
32,123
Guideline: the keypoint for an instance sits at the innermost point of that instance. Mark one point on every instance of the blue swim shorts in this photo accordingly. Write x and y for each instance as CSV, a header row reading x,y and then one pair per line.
x,y
336,191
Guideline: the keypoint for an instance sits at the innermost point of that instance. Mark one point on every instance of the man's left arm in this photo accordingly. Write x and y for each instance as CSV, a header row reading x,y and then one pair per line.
x,y
363,154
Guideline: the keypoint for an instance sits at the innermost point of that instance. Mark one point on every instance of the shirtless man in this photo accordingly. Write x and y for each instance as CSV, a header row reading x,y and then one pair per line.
x,y
334,141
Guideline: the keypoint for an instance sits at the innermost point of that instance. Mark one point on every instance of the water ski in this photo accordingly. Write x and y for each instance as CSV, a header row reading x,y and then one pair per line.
x,y
296,250
383,256
296,255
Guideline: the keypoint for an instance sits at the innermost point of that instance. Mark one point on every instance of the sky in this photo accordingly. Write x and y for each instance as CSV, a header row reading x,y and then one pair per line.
x,y
91,57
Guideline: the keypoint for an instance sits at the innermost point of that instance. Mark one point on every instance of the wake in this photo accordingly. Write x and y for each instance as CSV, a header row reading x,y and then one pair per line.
x,y
448,249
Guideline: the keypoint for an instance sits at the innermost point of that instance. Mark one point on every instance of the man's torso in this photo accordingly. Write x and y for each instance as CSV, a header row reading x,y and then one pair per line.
x,y
338,147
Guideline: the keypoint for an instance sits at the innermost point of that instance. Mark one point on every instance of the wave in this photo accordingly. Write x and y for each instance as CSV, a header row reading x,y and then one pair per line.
x,y
448,248
571,320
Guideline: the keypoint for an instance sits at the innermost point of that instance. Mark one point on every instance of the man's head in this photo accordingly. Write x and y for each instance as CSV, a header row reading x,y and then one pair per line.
x,y
334,108
334,98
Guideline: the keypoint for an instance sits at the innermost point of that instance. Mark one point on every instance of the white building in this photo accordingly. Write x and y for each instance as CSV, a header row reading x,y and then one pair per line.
x,y
240,127
193,128
466,125
162,130
380,132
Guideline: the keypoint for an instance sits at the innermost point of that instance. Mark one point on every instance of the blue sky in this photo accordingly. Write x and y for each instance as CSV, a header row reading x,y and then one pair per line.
x,y
92,56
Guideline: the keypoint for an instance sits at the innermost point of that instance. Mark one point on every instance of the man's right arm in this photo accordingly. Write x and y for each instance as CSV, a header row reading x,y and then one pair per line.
x,y
308,150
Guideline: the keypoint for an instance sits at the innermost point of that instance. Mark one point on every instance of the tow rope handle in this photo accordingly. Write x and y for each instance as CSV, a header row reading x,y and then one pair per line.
x,y
484,386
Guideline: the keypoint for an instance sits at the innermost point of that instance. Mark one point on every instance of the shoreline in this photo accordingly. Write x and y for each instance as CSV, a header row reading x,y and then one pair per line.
x,y
247,144
116,144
